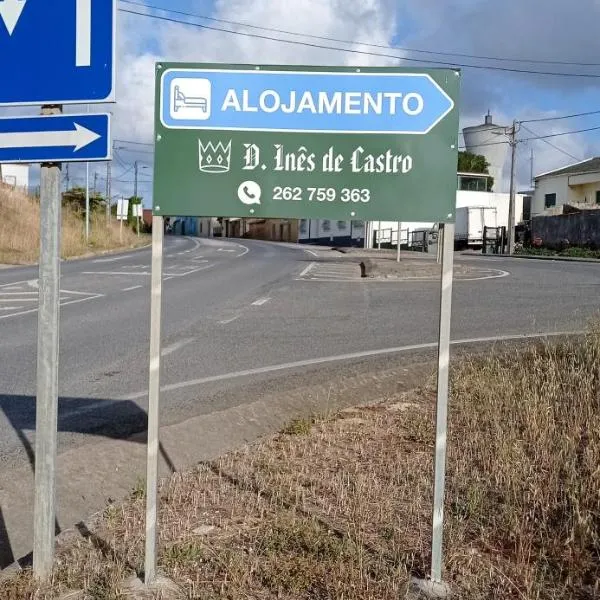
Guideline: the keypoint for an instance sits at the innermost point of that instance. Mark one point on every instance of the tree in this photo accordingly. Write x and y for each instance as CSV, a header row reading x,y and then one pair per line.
x,y
75,199
468,162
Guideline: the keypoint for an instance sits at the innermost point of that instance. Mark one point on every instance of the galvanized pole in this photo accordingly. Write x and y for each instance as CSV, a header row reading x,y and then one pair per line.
x,y
399,233
87,202
154,401
47,367
108,192
442,402
511,207
87,197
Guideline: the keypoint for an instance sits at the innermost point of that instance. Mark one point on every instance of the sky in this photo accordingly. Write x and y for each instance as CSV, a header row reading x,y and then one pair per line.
x,y
526,30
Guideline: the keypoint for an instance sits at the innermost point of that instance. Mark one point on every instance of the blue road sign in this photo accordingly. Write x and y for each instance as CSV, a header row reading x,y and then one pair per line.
x,y
60,138
327,102
57,52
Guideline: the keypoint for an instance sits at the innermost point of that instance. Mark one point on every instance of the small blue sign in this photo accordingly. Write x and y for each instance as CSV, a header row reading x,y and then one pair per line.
x,y
336,102
60,138
57,52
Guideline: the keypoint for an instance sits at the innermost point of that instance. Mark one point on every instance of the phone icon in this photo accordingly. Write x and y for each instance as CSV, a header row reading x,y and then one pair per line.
x,y
249,193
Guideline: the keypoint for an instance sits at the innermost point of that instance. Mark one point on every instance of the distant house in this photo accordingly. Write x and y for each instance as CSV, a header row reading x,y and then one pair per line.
x,y
577,184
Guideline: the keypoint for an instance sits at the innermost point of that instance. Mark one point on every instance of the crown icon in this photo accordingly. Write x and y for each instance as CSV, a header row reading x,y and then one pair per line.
x,y
215,158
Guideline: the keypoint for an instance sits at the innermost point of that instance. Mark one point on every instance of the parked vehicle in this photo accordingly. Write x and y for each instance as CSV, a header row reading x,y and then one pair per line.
x,y
470,222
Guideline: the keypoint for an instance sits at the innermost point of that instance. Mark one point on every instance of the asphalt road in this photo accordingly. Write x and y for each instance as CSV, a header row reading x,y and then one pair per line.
x,y
237,320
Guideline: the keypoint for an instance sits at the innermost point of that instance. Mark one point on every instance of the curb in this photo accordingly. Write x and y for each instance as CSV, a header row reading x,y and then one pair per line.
x,y
535,257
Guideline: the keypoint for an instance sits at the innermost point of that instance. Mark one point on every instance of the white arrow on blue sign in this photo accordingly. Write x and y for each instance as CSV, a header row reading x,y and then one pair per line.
x,y
61,52
327,102
61,138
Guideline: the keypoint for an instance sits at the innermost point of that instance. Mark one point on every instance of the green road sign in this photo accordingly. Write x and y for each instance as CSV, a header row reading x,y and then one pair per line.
x,y
306,142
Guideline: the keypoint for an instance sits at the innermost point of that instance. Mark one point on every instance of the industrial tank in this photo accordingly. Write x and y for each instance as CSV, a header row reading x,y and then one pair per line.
x,y
483,139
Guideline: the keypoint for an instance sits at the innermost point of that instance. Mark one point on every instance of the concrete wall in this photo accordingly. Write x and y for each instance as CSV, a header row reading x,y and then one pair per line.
x,y
580,229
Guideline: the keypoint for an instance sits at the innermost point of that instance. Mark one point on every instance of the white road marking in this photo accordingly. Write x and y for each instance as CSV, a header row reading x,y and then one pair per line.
x,y
177,346
108,260
127,273
246,250
307,270
310,252
11,307
261,301
227,321
130,289
34,310
345,357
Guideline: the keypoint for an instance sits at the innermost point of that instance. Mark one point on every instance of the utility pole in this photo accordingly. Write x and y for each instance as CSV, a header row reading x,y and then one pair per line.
x,y
87,202
135,185
531,170
511,207
108,191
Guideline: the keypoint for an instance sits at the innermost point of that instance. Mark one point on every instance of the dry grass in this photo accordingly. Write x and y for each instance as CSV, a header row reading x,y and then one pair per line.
x,y
340,508
19,231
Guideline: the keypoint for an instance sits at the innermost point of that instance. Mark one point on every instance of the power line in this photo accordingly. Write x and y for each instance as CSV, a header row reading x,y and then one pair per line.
x,y
561,118
132,142
358,43
361,52
551,144
539,137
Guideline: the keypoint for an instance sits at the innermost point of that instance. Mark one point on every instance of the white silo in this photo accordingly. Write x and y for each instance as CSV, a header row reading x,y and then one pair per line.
x,y
486,140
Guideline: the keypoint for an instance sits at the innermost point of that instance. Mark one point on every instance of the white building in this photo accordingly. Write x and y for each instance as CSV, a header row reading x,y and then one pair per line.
x,y
16,176
577,184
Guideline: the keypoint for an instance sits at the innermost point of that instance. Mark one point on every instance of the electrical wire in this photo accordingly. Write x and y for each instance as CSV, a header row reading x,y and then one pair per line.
x,y
561,118
551,144
358,43
362,52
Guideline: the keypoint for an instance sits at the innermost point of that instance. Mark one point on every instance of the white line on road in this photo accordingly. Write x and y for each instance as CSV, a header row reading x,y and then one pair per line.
x,y
246,250
344,357
177,346
33,310
11,307
261,301
108,260
227,321
134,287
310,252
127,273
307,270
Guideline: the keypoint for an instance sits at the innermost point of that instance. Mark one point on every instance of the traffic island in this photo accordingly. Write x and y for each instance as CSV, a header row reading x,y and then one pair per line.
x,y
340,506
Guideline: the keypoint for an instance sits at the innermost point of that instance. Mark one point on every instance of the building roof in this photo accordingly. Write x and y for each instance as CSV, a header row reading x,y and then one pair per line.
x,y
591,165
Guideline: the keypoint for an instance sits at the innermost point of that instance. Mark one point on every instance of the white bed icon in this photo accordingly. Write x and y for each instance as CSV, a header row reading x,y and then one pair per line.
x,y
190,99
180,100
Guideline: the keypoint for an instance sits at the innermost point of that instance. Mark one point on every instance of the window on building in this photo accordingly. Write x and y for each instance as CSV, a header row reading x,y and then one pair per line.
x,y
597,196
303,226
326,225
342,225
550,200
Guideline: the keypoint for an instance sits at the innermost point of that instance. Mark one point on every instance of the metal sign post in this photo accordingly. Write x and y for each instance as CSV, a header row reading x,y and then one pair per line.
x,y
447,234
154,401
77,68
303,143
47,369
